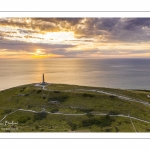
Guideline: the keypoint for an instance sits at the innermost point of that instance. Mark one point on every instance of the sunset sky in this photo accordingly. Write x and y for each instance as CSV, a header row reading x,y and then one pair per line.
x,y
74,37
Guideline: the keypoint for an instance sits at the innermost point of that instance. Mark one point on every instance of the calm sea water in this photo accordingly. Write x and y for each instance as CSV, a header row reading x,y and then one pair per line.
x,y
113,73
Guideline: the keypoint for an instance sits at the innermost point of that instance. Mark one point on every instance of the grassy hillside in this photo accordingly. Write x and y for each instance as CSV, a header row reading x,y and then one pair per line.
x,y
71,108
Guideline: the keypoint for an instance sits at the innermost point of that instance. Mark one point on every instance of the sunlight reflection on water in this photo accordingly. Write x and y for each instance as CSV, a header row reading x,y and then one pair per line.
x,y
113,73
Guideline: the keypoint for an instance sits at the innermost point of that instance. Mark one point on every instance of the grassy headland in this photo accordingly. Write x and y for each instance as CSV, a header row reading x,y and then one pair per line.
x,y
72,108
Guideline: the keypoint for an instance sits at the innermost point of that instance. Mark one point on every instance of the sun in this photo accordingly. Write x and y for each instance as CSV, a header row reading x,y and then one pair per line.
x,y
40,52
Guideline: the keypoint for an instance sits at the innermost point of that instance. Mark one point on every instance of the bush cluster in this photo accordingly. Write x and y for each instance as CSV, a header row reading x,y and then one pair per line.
x,y
23,119
88,95
102,122
59,98
40,116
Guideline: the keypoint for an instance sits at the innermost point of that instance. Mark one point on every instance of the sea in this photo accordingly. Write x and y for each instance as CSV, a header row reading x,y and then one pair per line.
x,y
123,73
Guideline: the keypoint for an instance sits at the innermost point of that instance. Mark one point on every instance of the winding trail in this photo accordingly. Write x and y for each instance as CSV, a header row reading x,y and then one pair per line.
x,y
8,115
102,92
100,114
119,96
119,115
132,124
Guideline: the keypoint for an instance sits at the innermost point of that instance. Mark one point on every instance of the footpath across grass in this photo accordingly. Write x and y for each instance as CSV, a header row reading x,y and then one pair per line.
x,y
72,108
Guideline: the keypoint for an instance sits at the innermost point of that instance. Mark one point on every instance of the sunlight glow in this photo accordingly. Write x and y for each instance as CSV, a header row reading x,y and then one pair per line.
x,y
84,37
59,36
40,52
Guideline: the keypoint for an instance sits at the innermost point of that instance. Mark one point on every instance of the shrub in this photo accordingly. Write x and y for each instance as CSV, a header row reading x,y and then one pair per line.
x,y
108,130
29,106
54,110
43,96
42,130
23,119
106,121
86,110
59,98
113,112
56,91
21,90
112,96
88,95
39,91
40,116
36,127
90,122
72,125
89,115
102,122
7,111
117,130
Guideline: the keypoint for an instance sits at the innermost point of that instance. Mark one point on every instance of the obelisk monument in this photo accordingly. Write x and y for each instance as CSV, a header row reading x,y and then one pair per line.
x,y
43,80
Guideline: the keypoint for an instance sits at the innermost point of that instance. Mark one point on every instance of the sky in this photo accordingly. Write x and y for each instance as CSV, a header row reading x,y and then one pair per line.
x,y
74,37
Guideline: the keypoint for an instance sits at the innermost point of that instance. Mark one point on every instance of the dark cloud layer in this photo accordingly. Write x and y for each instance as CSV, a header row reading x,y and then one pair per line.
x,y
93,30
133,24
111,29
29,47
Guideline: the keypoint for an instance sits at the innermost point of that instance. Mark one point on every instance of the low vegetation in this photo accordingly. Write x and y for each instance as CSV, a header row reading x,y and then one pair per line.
x,y
39,116
72,108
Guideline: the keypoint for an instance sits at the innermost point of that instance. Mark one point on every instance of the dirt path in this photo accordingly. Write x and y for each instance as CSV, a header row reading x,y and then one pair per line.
x,y
132,124
102,92
119,96
119,115
98,91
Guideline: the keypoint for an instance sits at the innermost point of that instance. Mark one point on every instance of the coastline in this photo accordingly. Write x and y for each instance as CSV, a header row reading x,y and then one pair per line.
x,y
120,88
66,103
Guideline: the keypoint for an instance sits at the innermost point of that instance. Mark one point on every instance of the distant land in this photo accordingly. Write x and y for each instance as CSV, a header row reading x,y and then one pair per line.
x,y
72,108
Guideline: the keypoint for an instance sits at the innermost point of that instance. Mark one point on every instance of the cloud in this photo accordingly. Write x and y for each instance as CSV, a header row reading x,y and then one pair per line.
x,y
32,37
26,31
10,32
115,29
72,21
27,25
30,47
102,29
91,35
136,23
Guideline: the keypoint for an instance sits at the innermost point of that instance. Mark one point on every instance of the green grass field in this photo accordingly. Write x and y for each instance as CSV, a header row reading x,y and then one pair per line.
x,y
72,108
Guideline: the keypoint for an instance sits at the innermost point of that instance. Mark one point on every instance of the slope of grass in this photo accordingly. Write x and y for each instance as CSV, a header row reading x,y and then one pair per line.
x,y
70,99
